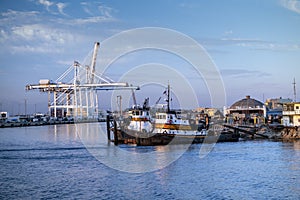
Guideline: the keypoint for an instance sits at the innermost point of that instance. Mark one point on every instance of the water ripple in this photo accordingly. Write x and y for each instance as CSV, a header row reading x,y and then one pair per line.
x,y
51,168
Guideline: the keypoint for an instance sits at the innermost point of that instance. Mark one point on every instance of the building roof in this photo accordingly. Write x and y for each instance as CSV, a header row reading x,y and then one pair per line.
x,y
247,103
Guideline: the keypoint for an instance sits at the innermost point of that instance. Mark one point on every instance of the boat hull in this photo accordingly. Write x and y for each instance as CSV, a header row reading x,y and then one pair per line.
x,y
147,139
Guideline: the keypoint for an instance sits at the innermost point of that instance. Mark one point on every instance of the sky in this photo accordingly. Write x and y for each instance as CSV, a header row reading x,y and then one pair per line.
x,y
254,44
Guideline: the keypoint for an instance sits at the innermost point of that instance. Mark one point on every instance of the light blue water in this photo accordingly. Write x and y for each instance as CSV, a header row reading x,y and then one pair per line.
x,y
51,162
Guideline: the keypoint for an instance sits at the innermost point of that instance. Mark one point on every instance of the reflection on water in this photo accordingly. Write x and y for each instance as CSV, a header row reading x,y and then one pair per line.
x,y
53,162
124,158
296,145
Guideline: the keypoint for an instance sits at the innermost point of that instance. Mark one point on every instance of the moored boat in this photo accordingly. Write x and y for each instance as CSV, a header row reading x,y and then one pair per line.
x,y
168,127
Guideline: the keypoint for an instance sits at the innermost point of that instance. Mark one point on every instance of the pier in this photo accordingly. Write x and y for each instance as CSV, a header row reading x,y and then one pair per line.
x,y
246,130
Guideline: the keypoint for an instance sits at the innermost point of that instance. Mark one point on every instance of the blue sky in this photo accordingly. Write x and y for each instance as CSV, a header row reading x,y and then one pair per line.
x,y
255,44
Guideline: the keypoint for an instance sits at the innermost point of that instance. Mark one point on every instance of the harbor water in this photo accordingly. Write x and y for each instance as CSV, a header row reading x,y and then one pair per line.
x,y
53,162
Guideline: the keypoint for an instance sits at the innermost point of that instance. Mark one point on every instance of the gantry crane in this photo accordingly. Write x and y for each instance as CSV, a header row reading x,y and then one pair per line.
x,y
77,98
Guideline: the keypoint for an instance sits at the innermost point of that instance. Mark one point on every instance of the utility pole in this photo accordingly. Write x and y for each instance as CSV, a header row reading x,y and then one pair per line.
x,y
295,95
25,103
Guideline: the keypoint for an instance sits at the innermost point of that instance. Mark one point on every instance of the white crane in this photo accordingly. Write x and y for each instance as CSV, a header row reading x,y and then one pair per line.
x,y
77,97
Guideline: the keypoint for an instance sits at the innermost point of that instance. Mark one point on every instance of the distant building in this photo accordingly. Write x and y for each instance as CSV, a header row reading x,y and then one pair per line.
x,y
291,114
277,103
275,106
247,110
211,112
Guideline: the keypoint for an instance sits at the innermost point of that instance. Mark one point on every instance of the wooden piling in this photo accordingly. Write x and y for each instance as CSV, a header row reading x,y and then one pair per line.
x,y
116,142
108,127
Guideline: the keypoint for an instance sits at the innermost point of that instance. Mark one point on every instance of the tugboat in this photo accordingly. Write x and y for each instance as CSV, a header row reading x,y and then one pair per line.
x,y
140,119
168,127
163,129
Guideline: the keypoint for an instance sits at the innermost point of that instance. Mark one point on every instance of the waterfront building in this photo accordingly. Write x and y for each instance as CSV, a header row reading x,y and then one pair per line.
x,y
291,114
247,110
275,108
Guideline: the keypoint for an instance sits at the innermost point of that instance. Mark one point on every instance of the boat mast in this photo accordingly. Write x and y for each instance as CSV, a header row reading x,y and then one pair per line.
x,y
168,101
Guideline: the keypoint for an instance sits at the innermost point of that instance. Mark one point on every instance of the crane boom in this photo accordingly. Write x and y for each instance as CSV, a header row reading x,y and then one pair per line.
x,y
133,97
93,64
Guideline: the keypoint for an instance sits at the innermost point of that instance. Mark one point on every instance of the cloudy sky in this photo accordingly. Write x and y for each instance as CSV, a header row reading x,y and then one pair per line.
x,y
255,44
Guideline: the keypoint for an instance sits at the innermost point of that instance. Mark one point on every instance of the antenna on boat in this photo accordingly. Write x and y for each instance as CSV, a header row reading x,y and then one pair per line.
x,y
295,96
146,103
157,101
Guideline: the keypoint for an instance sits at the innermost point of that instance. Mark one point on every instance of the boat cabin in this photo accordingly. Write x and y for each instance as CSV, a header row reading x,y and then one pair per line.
x,y
139,114
170,117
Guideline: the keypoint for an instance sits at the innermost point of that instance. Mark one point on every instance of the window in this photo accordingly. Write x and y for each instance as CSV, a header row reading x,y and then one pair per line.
x,y
284,107
297,107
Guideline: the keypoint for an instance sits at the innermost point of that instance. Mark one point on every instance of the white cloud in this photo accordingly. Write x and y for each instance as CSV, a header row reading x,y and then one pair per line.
x,y
238,40
35,49
61,7
3,35
293,5
232,41
38,32
37,38
85,7
46,3
243,73
104,10
97,19
255,44
13,13
22,16
18,26
271,46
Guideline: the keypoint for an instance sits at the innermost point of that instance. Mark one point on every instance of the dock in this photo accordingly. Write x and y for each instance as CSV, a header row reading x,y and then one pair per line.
x,y
246,130
26,123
